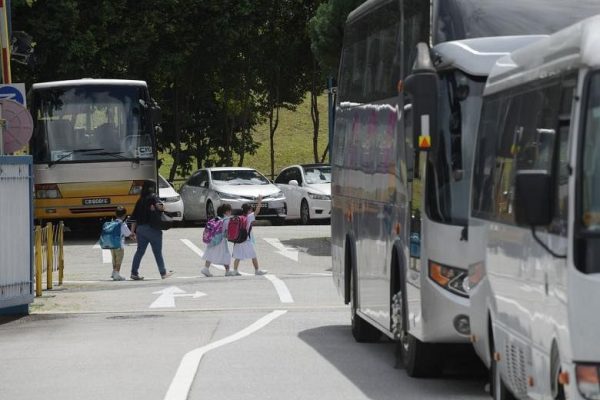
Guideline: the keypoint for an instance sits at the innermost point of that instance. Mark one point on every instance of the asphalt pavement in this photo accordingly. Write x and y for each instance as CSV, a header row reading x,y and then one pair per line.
x,y
281,336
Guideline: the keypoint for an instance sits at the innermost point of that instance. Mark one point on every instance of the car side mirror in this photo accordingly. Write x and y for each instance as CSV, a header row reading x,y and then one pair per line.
x,y
204,184
421,87
293,182
533,198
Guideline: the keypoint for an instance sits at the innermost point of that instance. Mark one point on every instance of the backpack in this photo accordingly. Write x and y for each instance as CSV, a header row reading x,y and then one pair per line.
x,y
237,231
213,232
110,238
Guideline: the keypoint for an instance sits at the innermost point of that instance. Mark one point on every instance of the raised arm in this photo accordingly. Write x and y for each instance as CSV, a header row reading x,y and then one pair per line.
x,y
258,205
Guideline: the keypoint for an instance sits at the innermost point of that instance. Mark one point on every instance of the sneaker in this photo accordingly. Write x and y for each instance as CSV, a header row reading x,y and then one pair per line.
x,y
235,272
167,274
117,277
136,278
260,272
206,272
228,273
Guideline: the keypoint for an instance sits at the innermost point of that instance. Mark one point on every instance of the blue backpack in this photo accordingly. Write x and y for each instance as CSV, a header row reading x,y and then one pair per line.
x,y
111,235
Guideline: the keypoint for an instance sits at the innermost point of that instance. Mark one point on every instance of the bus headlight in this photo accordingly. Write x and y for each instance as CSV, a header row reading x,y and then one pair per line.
x,y
455,280
476,274
47,191
588,381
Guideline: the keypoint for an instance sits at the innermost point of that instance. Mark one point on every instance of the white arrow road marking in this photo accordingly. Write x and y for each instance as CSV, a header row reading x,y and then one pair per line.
x,y
199,251
289,252
167,297
282,290
184,377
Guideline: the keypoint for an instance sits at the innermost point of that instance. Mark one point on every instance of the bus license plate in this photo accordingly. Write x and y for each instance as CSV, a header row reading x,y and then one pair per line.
x,y
96,202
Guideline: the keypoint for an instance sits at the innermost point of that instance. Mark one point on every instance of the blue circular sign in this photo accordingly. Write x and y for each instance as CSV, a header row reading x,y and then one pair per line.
x,y
11,93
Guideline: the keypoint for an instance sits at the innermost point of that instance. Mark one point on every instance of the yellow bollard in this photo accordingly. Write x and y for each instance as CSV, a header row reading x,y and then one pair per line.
x,y
38,261
61,254
49,255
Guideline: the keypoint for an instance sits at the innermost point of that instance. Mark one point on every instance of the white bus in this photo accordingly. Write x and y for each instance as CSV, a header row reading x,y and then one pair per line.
x,y
536,208
401,245
93,146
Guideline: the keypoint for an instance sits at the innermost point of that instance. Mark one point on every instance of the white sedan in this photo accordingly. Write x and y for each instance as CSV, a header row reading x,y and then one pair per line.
x,y
171,199
307,189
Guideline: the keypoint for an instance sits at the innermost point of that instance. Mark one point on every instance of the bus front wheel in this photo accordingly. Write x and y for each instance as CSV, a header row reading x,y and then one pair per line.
x,y
420,359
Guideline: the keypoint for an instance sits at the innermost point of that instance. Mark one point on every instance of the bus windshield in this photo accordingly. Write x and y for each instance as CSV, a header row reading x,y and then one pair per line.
x,y
591,160
449,178
466,19
90,123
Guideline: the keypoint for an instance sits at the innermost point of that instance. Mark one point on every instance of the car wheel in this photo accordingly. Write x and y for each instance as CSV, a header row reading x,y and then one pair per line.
x,y
304,213
210,211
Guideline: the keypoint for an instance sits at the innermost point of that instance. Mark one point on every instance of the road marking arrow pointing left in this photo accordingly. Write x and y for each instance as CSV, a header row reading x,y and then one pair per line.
x,y
167,297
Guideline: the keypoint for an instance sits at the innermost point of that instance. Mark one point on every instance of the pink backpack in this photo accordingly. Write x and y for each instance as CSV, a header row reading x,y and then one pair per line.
x,y
237,231
213,232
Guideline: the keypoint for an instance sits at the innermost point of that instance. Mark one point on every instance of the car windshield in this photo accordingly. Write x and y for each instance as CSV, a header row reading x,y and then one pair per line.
x,y
316,175
162,183
239,177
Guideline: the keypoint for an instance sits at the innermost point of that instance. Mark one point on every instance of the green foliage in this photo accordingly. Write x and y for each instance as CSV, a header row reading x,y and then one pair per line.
x,y
326,31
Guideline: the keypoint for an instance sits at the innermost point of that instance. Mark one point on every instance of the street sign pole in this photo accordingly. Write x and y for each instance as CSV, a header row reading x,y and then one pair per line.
x,y
5,42
1,133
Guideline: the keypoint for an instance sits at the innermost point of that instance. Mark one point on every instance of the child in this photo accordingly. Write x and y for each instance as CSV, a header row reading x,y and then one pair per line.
x,y
246,250
219,253
117,254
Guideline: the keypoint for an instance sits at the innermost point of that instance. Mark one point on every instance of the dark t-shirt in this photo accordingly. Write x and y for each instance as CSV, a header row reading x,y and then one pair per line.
x,y
141,212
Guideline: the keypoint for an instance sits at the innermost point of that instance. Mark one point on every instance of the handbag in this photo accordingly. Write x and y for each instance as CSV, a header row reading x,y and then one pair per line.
x,y
161,221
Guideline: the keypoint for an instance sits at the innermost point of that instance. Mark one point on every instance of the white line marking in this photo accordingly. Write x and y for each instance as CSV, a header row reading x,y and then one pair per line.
x,y
184,377
289,252
199,251
282,290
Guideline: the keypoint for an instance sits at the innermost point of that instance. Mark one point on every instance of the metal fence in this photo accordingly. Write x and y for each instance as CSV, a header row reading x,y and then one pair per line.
x,y
49,255
16,233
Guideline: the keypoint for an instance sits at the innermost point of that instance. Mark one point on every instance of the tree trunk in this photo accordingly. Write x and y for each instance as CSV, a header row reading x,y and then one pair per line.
x,y
177,126
273,123
324,154
314,113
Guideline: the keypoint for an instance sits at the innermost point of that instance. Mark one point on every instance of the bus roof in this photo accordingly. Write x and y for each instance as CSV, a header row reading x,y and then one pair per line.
x,y
478,56
88,81
568,49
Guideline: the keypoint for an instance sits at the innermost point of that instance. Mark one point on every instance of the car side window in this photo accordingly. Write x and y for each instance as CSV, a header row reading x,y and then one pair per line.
x,y
282,177
202,178
296,175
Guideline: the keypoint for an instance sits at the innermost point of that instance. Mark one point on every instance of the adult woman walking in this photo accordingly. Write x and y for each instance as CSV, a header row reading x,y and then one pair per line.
x,y
146,234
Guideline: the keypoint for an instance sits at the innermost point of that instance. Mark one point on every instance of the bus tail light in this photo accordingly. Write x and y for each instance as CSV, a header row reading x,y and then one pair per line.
x,y
453,279
588,381
136,187
47,191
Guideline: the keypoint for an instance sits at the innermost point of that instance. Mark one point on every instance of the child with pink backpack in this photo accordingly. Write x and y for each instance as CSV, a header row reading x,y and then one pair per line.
x,y
241,235
215,237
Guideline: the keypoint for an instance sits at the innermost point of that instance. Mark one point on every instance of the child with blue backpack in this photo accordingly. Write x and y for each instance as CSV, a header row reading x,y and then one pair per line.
x,y
215,237
118,253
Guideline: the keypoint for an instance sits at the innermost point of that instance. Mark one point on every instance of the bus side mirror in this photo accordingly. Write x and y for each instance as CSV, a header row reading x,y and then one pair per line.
x,y
533,194
422,89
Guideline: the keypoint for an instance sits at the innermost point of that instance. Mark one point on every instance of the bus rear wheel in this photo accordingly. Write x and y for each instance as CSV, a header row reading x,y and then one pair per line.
x,y
421,359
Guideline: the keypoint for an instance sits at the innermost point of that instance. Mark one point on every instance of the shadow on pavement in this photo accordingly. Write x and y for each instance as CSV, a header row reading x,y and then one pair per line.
x,y
371,368
319,247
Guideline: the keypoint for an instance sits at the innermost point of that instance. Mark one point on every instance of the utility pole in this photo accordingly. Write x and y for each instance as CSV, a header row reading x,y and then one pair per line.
x,y
5,40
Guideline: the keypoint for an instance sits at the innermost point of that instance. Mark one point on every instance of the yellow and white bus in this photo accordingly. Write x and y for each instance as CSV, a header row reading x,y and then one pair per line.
x,y
93,146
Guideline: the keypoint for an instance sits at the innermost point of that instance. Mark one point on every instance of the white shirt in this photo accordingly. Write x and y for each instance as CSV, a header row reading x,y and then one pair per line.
x,y
125,232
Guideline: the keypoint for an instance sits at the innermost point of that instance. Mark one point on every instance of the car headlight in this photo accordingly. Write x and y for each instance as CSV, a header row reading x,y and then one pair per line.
x,y
316,196
275,195
455,280
171,199
588,380
228,196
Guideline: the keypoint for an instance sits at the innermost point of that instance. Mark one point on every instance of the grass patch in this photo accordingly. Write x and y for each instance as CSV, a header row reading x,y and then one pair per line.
x,y
293,141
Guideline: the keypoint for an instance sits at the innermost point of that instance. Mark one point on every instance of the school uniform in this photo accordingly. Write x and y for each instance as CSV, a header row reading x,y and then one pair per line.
x,y
219,253
246,250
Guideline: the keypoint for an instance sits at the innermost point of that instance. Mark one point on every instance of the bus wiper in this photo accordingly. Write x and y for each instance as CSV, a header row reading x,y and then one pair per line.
x,y
69,154
114,154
